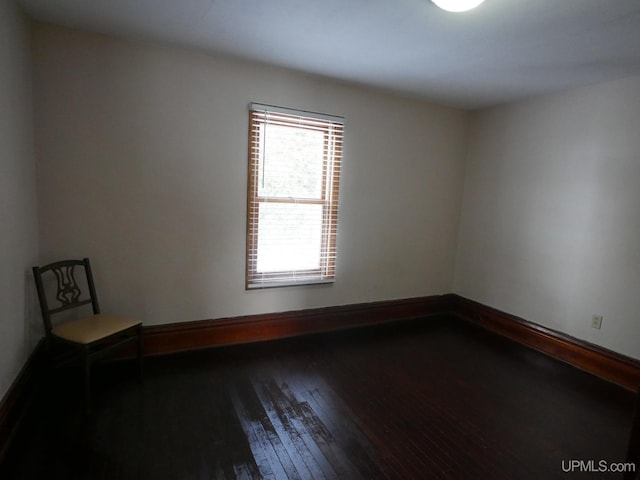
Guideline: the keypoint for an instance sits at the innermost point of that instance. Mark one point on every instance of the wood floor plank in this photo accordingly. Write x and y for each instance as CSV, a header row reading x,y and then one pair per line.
x,y
357,459
262,434
288,417
318,432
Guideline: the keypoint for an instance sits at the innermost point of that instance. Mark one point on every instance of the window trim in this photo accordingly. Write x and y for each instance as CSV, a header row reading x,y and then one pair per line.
x,y
333,128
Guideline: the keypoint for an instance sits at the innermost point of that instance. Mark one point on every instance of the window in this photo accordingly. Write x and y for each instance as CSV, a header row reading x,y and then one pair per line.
x,y
292,219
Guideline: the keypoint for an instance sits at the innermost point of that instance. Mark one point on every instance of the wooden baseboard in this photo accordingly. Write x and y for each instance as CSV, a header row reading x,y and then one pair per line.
x,y
18,398
599,361
178,337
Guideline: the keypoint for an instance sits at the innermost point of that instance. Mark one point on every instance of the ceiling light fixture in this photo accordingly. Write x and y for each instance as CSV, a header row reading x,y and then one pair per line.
x,y
457,5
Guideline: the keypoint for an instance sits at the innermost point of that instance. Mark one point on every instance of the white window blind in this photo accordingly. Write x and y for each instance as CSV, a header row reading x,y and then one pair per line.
x,y
294,175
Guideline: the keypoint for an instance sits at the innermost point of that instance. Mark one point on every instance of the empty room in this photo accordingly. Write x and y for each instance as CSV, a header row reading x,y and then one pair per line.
x,y
341,239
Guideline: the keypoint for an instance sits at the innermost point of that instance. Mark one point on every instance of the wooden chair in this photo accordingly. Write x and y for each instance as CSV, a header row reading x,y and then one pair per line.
x,y
89,336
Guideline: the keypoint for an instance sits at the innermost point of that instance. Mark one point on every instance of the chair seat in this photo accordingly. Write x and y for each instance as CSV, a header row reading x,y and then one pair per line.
x,y
90,329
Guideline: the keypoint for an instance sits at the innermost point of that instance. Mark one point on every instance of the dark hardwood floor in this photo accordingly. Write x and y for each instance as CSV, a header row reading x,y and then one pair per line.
x,y
430,399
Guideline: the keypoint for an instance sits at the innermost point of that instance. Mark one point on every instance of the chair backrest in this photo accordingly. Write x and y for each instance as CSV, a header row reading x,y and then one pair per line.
x,y
68,292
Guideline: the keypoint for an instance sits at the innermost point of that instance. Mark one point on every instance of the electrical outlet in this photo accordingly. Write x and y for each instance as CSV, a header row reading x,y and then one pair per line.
x,y
596,322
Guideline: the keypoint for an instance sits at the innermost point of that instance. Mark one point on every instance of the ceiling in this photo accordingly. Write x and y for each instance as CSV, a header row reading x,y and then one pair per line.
x,y
502,51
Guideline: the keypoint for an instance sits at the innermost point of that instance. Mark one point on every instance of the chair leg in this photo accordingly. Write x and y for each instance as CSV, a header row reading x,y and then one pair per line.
x,y
87,381
140,355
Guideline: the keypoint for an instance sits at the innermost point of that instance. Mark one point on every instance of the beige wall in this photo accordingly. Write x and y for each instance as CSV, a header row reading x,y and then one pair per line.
x,y
550,226
142,155
18,238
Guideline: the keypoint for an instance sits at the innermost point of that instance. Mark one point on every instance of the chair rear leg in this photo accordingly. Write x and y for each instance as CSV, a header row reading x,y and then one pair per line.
x,y
140,354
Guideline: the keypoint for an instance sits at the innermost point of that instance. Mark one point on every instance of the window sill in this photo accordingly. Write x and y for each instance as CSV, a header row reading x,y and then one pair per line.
x,y
286,283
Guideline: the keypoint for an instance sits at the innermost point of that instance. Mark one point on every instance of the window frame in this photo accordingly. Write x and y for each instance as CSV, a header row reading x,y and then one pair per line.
x,y
333,130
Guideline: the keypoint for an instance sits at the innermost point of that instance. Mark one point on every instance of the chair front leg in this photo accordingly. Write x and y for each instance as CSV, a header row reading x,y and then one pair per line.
x,y
87,380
